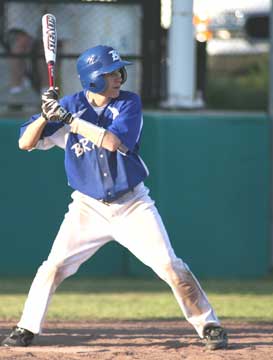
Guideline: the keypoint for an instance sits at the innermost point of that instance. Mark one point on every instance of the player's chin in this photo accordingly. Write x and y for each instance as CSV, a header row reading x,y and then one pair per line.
x,y
115,92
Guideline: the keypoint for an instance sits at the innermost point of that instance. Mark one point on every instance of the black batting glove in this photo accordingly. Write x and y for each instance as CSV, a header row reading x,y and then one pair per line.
x,y
50,94
64,115
52,110
50,104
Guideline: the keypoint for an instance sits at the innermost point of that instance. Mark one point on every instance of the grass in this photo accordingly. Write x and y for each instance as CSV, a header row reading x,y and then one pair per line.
x,y
137,299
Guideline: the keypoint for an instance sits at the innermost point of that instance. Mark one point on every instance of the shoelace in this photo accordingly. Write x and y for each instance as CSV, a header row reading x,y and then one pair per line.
x,y
214,332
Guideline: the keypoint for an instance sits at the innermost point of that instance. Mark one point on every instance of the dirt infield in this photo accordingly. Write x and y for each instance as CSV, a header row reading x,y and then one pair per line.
x,y
145,340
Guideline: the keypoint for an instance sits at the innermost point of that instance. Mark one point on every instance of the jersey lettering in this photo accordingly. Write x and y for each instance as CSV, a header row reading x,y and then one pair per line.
x,y
81,147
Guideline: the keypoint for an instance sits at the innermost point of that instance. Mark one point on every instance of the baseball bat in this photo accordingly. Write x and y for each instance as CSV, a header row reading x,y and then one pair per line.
x,y
50,45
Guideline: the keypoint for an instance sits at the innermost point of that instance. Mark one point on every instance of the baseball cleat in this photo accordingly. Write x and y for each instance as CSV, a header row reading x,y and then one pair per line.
x,y
18,337
215,337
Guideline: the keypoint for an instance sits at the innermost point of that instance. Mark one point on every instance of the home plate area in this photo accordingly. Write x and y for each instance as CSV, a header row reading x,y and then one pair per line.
x,y
145,340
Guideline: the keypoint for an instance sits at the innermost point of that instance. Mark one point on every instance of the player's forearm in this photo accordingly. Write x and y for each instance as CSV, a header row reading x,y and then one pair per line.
x,y
32,134
99,136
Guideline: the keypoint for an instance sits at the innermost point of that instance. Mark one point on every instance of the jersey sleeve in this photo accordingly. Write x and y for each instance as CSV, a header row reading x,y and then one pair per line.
x,y
128,124
54,134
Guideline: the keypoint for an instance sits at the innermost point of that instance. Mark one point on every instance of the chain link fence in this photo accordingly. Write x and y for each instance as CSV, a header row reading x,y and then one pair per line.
x,y
80,25
232,48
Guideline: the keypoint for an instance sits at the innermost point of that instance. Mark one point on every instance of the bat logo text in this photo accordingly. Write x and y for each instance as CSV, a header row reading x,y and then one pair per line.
x,y
51,32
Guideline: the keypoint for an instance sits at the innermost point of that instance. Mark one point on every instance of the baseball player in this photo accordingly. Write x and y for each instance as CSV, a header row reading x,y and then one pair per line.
x,y
99,129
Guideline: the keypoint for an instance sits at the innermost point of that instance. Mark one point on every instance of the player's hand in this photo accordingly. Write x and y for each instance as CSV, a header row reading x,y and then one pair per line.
x,y
50,94
52,110
50,104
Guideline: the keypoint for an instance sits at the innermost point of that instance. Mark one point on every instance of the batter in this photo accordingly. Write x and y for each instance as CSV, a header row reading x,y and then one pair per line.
x,y
99,129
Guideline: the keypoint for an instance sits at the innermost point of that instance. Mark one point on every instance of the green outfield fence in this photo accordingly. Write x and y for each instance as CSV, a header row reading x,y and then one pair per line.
x,y
210,177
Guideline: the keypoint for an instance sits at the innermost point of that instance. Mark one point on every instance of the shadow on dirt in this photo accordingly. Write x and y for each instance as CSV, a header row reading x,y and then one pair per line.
x,y
162,334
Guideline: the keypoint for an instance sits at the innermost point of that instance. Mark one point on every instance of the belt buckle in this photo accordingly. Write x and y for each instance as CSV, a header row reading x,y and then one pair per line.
x,y
105,202
108,203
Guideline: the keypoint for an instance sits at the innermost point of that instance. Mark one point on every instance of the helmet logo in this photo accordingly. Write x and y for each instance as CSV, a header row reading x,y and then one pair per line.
x,y
91,59
115,55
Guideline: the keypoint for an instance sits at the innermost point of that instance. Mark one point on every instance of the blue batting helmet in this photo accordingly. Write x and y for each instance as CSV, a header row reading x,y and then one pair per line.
x,y
97,61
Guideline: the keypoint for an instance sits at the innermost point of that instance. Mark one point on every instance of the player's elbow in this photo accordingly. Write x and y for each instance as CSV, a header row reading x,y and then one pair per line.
x,y
112,147
110,141
23,145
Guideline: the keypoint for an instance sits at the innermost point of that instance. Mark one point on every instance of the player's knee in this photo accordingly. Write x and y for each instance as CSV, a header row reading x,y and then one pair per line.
x,y
48,269
51,273
65,271
176,272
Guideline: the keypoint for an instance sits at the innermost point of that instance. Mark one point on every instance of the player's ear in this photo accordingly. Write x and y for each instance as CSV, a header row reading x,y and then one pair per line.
x,y
123,73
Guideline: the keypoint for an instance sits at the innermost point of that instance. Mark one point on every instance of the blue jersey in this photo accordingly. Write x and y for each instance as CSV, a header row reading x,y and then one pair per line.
x,y
94,171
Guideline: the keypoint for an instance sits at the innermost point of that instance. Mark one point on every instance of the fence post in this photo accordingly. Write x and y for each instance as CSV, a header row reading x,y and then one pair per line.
x,y
270,112
181,66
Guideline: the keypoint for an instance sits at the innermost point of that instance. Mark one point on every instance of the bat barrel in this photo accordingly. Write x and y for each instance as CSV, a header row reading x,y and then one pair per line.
x,y
50,44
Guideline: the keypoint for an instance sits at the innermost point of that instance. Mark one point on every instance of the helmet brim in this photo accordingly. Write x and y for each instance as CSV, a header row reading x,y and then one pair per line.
x,y
114,66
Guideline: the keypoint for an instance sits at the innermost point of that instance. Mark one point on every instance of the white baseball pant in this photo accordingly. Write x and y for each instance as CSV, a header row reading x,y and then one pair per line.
x,y
134,222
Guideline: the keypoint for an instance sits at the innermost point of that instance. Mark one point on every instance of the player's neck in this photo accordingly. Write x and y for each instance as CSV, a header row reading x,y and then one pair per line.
x,y
97,99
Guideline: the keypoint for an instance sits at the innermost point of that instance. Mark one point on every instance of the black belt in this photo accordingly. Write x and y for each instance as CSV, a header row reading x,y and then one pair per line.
x,y
110,201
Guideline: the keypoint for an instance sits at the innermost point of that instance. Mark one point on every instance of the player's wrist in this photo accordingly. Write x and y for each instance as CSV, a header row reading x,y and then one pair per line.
x,y
44,117
65,116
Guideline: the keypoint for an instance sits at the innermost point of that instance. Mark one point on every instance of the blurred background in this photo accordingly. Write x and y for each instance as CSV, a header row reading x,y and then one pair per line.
x,y
203,71
236,35
231,49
